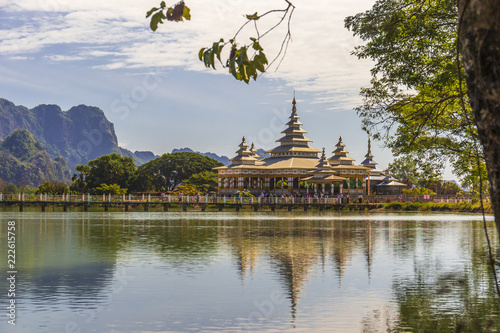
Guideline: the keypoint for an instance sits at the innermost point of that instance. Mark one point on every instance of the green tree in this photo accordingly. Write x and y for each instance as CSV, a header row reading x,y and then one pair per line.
x,y
169,170
113,189
53,187
204,182
79,181
107,169
418,101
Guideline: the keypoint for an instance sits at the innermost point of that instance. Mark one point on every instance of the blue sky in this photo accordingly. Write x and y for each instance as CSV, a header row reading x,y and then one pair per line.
x,y
160,96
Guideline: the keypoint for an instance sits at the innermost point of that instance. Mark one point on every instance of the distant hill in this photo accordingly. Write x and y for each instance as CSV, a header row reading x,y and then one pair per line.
x,y
262,153
78,135
222,159
23,161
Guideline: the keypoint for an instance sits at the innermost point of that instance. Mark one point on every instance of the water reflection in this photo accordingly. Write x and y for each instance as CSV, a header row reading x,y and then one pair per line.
x,y
241,272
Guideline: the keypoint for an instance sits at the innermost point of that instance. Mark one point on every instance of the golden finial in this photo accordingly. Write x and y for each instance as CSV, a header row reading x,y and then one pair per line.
x,y
243,140
369,146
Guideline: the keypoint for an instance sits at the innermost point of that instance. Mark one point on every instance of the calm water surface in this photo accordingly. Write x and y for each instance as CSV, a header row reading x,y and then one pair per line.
x,y
265,272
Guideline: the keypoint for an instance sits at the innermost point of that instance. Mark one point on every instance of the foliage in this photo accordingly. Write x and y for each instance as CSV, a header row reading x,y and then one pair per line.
x,y
113,189
175,13
204,182
169,170
21,144
25,162
7,188
419,191
245,61
79,182
53,187
245,194
107,169
187,189
417,102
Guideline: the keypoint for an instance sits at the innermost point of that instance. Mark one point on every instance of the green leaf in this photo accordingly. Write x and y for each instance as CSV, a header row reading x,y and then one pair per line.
x,y
244,73
212,59
258,64
157,18
206,58
263,58
257,46
200,53
253,16
163,5
151,11
232,67
187,13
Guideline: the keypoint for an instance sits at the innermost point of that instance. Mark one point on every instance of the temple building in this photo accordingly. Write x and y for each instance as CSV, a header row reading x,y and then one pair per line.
x,y
294,167
380,182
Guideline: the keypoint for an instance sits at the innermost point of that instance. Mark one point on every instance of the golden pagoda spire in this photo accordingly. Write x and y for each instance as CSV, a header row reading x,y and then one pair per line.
x,y
369,146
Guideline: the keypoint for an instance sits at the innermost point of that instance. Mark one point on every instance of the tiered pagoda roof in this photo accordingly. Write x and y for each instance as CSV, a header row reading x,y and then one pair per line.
x,y
369,162
243,155
340,155
294,143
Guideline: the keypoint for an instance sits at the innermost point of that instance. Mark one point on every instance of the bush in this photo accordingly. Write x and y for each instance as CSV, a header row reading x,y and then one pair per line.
x,y
394,206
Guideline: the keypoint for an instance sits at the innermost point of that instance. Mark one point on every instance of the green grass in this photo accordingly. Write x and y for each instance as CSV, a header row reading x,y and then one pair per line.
x,y
465,207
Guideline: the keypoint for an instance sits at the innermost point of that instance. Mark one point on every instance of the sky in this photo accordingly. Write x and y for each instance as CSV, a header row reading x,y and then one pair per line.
x,y
157,93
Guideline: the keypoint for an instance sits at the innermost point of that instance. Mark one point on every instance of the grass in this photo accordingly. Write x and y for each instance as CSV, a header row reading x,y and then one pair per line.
x,y
463,207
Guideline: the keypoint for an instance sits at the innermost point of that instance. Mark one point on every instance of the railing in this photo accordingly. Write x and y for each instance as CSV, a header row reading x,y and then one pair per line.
x,y
175,199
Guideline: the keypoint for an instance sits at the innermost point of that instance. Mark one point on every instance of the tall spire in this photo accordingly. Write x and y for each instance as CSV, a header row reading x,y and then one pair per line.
x,y
243,155
369,162
294,143
340,155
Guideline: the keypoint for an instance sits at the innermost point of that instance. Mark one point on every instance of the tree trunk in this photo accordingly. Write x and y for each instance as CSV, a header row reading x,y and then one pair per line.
x,y
479,36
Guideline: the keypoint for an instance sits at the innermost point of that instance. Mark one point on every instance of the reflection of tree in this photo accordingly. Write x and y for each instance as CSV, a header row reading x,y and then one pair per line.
x,y
456,300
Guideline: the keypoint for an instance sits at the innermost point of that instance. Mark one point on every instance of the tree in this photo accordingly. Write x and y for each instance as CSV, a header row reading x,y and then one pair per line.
x,y
53,187
479,34
405,170
169,170
413,171
107,169
79,182
113,189
204,182
418,100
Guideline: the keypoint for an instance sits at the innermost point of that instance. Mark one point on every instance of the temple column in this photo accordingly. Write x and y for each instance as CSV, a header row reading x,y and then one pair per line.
x,y
341,188
266,184
240,183
290,184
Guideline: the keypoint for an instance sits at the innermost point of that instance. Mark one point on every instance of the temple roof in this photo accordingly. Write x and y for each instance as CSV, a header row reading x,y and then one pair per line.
x,y
294,142
290,162
340,155
243,155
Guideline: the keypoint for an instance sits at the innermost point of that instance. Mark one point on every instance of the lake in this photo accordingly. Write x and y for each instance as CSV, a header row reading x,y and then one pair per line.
x,y
239,272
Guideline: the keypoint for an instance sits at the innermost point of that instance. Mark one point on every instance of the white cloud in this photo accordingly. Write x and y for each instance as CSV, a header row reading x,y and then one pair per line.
x,y
116,35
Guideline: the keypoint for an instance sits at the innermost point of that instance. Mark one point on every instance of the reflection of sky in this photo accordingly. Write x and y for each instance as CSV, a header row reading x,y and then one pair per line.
x,y
150,287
